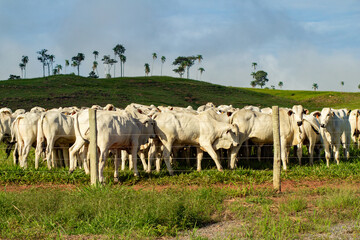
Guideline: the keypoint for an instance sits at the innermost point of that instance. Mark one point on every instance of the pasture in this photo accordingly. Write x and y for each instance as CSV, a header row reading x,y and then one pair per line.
x,y
316,201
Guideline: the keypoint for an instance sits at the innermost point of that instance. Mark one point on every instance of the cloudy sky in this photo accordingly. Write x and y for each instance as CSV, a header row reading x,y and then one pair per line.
x,y
298,42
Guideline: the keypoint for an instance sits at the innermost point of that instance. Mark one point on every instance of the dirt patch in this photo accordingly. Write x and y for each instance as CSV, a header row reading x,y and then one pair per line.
x,y
20,188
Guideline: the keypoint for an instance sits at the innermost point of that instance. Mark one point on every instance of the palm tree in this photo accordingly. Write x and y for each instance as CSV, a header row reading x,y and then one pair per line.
x,y
123,60
74,65
106,60
163,59
201,70
281,84
199,58
147,69
43,58
118,51
154,56
96,54
24,60
67,63
50,62
94,67
254,64
78,59
55,71
315,86
58,67
22,67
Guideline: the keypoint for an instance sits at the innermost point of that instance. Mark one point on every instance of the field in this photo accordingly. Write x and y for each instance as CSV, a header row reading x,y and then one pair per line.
x,y
316,202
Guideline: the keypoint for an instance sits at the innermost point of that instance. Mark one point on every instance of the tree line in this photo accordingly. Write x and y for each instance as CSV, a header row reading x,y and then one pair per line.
x,y
47,61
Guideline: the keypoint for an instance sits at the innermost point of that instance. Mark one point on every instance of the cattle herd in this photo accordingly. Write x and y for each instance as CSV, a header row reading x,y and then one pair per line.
x,y
61,136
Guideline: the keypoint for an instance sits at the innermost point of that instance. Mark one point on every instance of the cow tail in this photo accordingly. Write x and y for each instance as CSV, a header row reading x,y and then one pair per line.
x,y
77,128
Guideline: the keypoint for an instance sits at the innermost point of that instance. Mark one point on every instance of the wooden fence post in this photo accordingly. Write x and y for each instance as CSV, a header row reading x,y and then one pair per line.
x,y
277,149
94,162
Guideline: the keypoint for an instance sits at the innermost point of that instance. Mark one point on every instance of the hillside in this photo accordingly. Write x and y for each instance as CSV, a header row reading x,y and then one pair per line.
x,y
70,90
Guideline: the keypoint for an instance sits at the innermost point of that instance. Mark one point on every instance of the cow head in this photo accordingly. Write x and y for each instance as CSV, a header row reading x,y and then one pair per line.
x,y
325,116
232,134
148,127
298,112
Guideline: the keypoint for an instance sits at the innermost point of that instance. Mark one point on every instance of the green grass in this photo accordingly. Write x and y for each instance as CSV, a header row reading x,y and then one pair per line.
x,y
70,90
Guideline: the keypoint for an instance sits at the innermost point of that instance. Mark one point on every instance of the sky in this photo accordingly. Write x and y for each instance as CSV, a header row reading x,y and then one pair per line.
x,y
297,42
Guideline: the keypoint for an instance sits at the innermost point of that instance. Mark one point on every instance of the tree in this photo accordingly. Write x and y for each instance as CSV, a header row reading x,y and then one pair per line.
x,y
92,74
163,59
147,69
199,58
25,60
123,60
280,84
43,58
94,67
359,86
78,59
58,67
253,83
74,64
261,78
50,62
272,87
55,71
201,70
22,67
67,63
342,83
108,62
12,77
96,54
118,51
154,56
254,64
180,70
186,62
315,86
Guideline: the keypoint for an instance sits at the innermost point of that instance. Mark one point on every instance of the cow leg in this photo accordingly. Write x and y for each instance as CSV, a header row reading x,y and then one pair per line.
x,y
327,152
337,153
38,150
143,160
166,155
247,153
187,156
151,154
259,153
299,152
214,156
25,154
16,154
84,159
124,156
283,153
233,154
133,158
199,157
311,152
66,156
102,160
116,164
79,143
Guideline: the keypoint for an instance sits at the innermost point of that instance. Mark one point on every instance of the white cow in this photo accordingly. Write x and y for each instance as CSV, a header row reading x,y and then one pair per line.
x,y
24,130
258,127
354,120
54,127
115,130
336,130
202,131
6,119
312,136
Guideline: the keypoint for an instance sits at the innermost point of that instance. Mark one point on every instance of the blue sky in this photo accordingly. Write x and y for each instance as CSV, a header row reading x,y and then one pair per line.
x,y
296,42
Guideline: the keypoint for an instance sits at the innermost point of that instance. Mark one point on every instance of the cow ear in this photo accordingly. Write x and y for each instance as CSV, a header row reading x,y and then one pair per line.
x,y
358,113
332,113
348,113
229,114
317,114
306,111
139,111
290,112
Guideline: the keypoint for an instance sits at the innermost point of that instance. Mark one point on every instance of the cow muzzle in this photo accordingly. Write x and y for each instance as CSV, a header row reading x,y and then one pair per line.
x,y
322,125
299,123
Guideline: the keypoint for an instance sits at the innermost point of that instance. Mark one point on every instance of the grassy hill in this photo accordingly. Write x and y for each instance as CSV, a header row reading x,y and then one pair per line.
x,y
70,90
